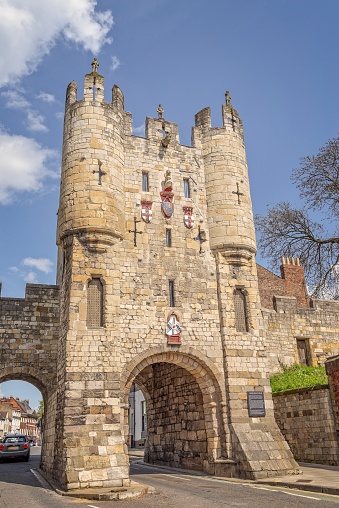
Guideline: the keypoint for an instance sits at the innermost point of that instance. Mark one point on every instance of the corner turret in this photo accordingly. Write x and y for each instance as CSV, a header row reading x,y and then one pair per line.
x,y
229,204
91,197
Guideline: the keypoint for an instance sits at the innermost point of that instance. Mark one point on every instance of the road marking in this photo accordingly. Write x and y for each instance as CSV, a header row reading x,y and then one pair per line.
x,y
41,479
175,476
284,492
92,506
260,488
300,495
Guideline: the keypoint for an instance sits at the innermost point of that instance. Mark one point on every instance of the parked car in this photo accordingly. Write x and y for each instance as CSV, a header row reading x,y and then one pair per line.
x,y
15,446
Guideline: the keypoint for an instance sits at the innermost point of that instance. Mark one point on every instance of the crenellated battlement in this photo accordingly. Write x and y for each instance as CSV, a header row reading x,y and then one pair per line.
x,y
230,118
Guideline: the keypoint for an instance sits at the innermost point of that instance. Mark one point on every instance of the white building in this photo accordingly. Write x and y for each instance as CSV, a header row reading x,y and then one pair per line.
x,y
4,423
137,417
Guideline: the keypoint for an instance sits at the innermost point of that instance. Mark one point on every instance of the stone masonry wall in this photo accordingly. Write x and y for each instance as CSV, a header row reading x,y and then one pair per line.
x,y
176,423
29,329
29,335
318,326
305,418
332,369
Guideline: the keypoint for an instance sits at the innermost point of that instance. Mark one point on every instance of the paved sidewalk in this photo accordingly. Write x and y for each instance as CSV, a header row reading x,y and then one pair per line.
x,y
314,477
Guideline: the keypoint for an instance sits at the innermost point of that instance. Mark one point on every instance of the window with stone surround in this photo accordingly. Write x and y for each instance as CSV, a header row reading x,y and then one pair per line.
x,y
145,184
240,310
187,190
168,238
171,293
95,303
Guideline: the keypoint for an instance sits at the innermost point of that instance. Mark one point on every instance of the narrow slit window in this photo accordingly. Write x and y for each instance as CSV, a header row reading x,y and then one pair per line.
x,y
95,303
187,190
240,311
168,238
63,265
145,184
171,292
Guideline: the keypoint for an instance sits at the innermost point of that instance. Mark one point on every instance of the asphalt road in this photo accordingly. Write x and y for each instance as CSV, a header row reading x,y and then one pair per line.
x,y
20,488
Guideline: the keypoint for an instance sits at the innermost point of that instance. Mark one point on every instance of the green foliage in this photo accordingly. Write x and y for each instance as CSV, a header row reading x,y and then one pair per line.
x,y
41,408
298,376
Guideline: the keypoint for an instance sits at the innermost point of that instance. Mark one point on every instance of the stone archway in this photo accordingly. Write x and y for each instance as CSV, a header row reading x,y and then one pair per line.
x,y
185,407
48,392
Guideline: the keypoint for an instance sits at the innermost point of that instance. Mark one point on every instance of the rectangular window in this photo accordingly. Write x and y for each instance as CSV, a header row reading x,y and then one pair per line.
x,y
168,238
95,303
303,352
187,190
145,186
171,292
240,311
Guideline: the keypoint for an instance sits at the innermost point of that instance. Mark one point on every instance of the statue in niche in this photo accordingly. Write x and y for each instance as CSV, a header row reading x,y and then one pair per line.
x,y
168,180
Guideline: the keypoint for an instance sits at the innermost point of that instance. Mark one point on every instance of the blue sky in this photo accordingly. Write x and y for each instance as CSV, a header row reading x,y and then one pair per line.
x,y
278,59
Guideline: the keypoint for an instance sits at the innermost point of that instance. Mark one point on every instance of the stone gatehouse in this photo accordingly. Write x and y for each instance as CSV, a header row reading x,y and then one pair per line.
x,y
156,284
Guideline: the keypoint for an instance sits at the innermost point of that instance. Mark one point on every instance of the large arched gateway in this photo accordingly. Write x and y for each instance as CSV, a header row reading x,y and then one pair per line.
x,y
186,424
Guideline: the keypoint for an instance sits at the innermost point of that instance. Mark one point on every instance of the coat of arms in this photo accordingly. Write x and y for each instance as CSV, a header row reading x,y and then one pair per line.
x,y
188,216
146,211
167,195
173,329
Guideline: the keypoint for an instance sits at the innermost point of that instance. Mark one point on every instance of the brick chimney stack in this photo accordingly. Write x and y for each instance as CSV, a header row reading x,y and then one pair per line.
x,y
294,277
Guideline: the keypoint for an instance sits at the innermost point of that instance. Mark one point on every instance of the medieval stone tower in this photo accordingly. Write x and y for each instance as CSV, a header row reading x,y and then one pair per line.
x,y
158,286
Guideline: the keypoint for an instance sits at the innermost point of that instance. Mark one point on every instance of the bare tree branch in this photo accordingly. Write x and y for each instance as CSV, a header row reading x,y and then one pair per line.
x,y
288,231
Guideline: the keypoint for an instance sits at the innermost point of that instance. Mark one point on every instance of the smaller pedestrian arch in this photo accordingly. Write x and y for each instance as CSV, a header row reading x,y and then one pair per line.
x,y
185,407
47,388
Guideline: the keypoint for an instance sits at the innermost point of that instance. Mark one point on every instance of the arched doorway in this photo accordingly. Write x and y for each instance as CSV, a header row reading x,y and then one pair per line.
x,y
21,407
47,422
184,408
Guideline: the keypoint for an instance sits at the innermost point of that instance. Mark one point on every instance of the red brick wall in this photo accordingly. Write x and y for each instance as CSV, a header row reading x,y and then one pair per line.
x,y
291,283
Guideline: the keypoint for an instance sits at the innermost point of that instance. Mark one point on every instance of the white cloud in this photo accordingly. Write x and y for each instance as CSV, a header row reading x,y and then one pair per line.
x,y
139,130
35,122
31,278
29,30
115,63
43,264
46,97
59,115
23,166
16,100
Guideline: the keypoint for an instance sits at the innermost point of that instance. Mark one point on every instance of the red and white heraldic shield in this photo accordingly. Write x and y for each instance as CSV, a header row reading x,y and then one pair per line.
x,y
188,216
146,211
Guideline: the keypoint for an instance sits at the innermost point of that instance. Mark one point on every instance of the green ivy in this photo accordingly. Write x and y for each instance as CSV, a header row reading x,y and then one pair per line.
x,y
298,376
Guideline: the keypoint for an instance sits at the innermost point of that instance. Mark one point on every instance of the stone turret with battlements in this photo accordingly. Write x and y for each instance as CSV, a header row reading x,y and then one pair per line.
x,y
92,200
230,218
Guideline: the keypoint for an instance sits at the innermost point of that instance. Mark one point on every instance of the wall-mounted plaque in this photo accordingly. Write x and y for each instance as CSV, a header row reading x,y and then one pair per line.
x,y
256,404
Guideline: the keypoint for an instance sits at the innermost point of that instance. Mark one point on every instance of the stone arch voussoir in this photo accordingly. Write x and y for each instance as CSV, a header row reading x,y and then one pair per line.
x,y
28,374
